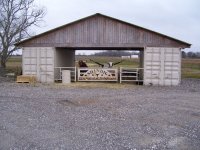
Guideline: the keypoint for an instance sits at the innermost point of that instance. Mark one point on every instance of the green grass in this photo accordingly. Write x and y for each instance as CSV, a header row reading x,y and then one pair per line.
x,y
14,64
190,67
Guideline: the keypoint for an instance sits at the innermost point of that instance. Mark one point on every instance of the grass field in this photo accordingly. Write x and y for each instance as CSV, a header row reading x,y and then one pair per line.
x,y
190,67
102,60
14,64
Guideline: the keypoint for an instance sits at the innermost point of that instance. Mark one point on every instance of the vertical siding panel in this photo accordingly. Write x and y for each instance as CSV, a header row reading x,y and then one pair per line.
x,y
89,31
81,37
112,32
120,35
102,31
109,32
63,33
77,32
126,35
80,33
98,30
71,35
74,33
70,38
93,31
106,31
116,33
86,33
67,35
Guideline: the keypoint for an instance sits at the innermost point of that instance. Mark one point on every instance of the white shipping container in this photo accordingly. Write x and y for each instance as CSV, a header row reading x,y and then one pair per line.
x,y
39,62
162,66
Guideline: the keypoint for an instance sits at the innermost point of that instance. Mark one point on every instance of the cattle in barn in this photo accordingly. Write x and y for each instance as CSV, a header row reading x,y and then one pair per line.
x,y
107,65
82,64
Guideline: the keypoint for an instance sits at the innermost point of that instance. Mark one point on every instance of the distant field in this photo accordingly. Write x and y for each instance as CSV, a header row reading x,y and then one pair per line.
x,y
14,64
190,67
102,60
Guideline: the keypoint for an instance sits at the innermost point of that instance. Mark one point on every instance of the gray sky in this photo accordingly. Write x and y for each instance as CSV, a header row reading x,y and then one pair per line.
x,y
177,18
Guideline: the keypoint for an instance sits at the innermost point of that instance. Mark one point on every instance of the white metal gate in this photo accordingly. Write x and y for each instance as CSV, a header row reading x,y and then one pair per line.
x,y
97,74
131,74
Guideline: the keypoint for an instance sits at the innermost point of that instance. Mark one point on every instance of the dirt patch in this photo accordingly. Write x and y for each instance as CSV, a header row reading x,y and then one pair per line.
x,y
78,103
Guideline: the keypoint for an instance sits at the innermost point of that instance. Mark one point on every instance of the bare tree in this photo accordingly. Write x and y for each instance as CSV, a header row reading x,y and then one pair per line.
x,y
16,18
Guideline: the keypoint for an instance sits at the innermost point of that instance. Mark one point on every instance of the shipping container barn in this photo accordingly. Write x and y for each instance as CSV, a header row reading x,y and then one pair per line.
x,y
160,55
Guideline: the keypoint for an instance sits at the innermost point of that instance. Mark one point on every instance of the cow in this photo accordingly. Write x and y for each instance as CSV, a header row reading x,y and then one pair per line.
x,y
107,65
82,64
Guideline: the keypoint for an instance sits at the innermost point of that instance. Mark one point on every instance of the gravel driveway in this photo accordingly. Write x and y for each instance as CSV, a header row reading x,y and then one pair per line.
x,y
53,117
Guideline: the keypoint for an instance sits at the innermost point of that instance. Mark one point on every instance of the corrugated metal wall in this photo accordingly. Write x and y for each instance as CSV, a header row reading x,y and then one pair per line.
x,y
39,62
162,66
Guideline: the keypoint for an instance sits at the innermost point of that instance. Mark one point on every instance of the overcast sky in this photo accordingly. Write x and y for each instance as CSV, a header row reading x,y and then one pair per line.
x,y
177,18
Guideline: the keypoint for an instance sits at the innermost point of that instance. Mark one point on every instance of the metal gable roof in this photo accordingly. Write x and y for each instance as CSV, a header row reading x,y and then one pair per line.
x,y
186,45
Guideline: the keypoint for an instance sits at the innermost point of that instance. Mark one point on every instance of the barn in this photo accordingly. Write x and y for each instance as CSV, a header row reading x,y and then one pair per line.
x,y
47,54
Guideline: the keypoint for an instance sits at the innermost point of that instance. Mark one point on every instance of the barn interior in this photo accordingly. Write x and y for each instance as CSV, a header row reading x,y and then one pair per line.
x,y
66,59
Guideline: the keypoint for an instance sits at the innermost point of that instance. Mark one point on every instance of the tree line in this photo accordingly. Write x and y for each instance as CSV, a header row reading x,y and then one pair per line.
x,y
190,54
115,53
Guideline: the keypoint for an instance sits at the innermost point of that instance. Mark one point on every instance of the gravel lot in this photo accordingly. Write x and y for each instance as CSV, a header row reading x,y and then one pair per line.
x,y
129,117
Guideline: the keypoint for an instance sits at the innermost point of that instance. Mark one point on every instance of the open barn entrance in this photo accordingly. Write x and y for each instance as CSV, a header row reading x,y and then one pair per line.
x,y
105,65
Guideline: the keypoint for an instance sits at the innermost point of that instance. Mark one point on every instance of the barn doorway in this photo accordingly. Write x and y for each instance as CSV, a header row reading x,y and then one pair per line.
x,y
127,65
